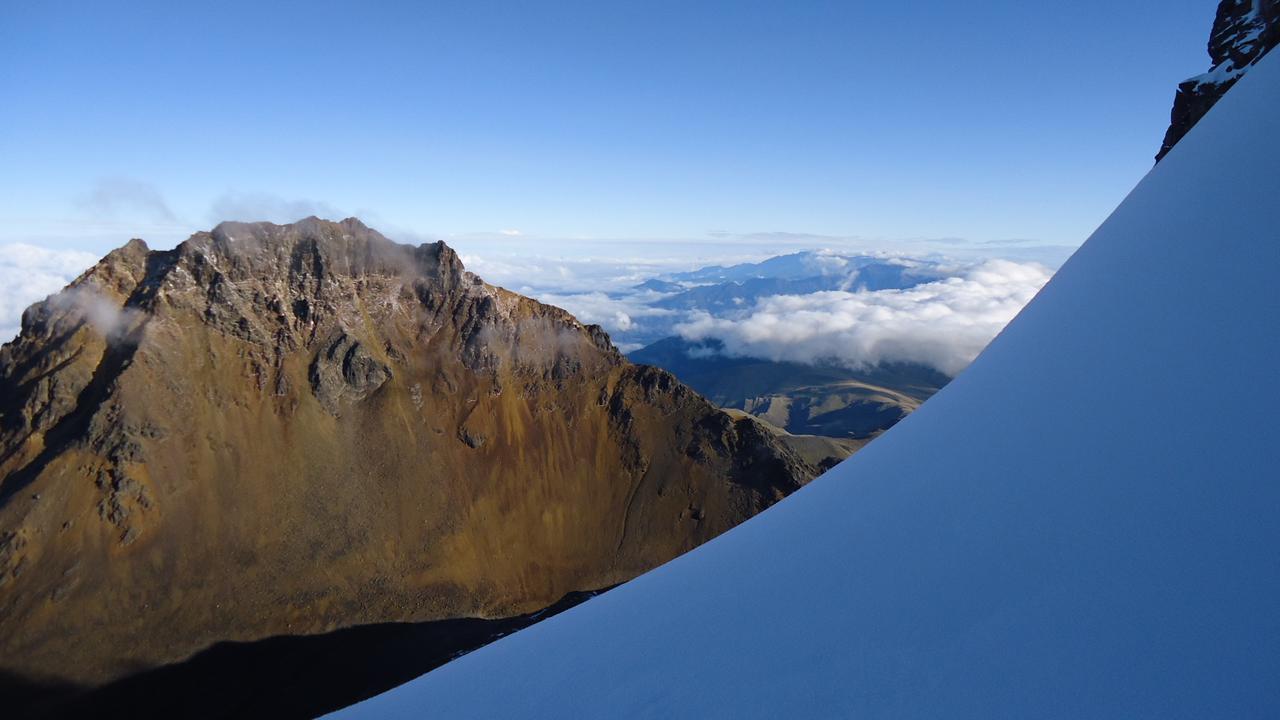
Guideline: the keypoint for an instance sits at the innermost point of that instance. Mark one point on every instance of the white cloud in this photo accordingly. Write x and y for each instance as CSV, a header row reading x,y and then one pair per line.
x,y
613,312
622,321
29,274
827,262
943,324
511,233
103,314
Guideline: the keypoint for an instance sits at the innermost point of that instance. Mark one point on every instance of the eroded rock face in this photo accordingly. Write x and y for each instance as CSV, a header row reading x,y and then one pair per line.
x,y
1243,31
286,429
346,371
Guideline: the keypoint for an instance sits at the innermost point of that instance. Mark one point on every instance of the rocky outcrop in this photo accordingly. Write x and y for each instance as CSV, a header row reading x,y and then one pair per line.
x,y
288,429
346,371
1243,31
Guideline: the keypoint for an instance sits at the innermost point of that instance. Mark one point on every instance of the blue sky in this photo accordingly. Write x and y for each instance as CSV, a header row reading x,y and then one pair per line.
x,y
676,121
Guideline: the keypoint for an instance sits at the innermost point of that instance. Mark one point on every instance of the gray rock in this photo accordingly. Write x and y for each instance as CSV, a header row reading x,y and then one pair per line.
x,y
345,372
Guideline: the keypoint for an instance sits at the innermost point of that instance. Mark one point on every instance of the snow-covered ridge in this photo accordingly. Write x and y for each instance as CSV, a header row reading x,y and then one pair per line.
x,y
1016,548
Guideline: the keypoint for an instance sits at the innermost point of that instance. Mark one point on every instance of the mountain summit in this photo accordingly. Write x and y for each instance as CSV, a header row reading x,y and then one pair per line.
x,y
287,429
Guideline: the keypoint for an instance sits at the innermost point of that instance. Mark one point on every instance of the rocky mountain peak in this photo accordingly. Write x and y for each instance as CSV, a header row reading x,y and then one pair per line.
x,y
1243,31
287,429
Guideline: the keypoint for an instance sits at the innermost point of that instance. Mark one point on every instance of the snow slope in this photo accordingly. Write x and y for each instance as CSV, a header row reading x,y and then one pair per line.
x,y
1086,523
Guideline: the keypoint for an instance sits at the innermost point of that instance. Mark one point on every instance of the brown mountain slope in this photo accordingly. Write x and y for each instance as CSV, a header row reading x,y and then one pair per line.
x,y
288,429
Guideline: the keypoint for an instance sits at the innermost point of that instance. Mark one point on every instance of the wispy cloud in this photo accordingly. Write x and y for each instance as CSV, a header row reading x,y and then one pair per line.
x,y
256,206
125,199
102,313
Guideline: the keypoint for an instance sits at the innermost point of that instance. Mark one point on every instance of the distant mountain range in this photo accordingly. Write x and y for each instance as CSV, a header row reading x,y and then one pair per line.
x,y
850,271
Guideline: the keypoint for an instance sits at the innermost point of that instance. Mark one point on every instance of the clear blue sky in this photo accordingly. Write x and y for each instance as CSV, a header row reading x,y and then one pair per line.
x,y
935,118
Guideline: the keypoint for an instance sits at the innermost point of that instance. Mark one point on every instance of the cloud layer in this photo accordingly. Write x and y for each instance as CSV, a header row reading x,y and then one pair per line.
x,y
943,324
29,274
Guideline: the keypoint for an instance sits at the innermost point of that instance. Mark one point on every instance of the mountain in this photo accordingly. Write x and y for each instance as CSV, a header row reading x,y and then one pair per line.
x,y
824,399
285,430
1243,31
803,265
1077,526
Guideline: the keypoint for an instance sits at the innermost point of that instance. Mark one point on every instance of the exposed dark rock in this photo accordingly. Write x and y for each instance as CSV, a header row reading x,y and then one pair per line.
x,y
345,371
1243,32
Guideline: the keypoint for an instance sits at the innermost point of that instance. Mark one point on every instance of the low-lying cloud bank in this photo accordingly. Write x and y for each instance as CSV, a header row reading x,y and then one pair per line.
x,y
29,274
942,324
